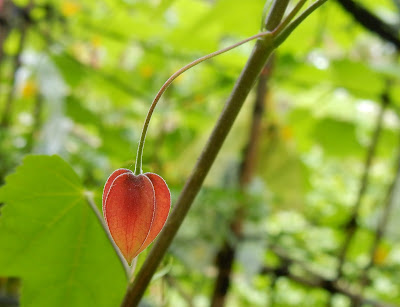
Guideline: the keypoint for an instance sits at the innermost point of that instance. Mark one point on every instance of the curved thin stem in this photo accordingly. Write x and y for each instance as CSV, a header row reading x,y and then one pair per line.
x,y
138,165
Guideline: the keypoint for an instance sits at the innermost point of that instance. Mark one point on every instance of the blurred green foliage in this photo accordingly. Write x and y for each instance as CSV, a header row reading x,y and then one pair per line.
x,y
87,74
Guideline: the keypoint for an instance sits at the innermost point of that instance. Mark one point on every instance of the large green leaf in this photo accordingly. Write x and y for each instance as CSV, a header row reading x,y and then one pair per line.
x,y
284,173
337,137
354,76
53,241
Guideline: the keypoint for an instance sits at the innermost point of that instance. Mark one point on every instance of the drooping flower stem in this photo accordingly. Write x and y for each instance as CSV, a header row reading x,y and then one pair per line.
x,y
264,47
260,53
279,31
138,165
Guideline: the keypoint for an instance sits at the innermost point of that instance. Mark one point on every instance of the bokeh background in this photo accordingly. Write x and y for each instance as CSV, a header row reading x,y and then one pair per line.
x,y
301,207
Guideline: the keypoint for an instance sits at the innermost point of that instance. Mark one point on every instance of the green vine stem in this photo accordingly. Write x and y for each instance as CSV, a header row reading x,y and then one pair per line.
x,y
275,29
138,165
275,14
261,52
259,56
263,48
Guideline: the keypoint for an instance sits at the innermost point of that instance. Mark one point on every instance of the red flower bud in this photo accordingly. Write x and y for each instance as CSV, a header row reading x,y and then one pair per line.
x,y
135,209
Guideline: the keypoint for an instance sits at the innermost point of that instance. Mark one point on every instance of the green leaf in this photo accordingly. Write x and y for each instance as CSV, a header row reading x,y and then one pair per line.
x,y
354,76
72,71
77,111
338,138
12,43
282,168
53,241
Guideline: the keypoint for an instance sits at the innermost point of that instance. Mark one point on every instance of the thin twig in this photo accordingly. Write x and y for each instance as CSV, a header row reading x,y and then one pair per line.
x,y
371,22
380,230
314,280
352,223
90,201
173,283
351,226
226,254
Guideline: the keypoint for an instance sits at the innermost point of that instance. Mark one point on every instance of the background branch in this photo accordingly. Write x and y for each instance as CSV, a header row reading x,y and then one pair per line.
x,y
172,282
351,226
371,22
314,280
380,230
226,254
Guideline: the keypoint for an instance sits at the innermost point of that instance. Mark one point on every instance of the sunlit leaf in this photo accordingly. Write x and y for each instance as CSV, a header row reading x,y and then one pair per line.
x,y
53,241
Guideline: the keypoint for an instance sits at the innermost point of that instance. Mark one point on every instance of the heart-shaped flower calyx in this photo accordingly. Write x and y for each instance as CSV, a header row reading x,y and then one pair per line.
x,y
135,209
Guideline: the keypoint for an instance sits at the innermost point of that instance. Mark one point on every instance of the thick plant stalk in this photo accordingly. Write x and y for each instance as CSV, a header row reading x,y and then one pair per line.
x,y
245,82
259,56
262,50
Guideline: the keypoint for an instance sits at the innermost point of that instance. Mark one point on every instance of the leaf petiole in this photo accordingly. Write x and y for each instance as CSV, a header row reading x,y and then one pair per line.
x,y
92,204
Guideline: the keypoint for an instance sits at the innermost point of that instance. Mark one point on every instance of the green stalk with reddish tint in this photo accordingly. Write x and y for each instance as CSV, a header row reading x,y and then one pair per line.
x,y
136,205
